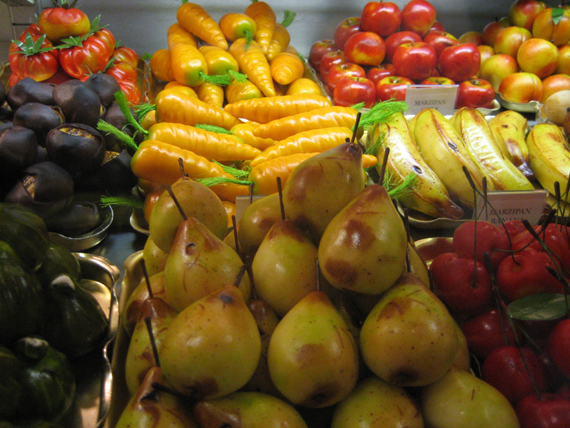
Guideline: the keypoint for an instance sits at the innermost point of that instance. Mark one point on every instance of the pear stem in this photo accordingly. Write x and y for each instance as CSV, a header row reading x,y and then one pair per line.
x,y
169,189
240,274
146,278
152,341
236,240
318,274
383,169
280,190
407,226
356,123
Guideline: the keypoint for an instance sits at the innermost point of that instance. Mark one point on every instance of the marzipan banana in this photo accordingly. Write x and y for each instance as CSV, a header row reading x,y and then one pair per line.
x,y
549,156
446,153
475,131
509,128
428,194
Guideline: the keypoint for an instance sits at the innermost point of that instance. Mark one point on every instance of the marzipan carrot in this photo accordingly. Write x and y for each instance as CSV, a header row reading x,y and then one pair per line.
x,y
267,109
254,64
176,106
211,145
325,117
314,140
304,85
185,36
199,22
244,131
219,61
160,163
237,25
188,64
265,19
211,93
281,36
286,68
241,90
182,88
160,65
148,120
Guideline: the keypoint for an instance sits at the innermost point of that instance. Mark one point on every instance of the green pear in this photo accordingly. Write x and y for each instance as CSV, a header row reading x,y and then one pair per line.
x,y
462,359
460,399
247,409
418,265
409,338
363,248
212,347
154,257
198,264
266,320
312,356
196,200
152,408
375,403
140,356
284,267
319,187
130,313
256,220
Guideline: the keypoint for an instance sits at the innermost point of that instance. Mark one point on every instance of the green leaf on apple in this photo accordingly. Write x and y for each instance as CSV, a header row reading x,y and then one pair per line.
x,y
540,307
557,13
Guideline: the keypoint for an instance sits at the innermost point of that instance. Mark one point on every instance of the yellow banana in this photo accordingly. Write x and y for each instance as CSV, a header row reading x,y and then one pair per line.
x,y
428,194
475,131
549,156
446,153
509,128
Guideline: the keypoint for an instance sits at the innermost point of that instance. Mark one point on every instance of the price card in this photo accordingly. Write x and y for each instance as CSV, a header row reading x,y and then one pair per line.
x,y
438,97
513,205
242,202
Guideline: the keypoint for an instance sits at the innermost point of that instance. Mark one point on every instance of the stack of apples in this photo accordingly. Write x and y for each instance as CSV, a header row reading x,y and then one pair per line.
x,y
376,56
526,54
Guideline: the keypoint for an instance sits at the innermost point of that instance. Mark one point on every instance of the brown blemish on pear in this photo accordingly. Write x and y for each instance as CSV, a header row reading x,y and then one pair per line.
x,y
201,388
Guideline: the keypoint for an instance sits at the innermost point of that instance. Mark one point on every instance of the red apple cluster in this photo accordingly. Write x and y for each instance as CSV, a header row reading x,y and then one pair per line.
x,y
526,54
376,56
491,266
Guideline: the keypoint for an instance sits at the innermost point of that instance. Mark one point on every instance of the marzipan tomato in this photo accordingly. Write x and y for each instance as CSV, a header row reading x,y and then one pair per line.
x,y
126,54
131,90
63,22
34,57
121,70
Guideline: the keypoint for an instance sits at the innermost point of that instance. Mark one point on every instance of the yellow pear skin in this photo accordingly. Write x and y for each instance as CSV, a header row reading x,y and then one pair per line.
x,y
319,187
198,264
132,309
151,408
312,356
284,267
409,338
363,248
140,357
247,409
154,257
256,220
459,399
196,200
212,347
375,403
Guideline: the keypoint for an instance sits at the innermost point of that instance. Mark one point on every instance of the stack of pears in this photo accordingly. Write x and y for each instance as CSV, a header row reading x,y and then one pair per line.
x,y
315,312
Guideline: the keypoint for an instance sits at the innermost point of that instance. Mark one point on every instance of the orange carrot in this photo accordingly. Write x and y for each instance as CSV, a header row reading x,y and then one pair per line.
x,y
286,67
265,19
253,63
188,64
199,22
211,93
160,65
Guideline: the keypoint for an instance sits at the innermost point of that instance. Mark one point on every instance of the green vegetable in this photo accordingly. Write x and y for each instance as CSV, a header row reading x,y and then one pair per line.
x,y
59,260
11,372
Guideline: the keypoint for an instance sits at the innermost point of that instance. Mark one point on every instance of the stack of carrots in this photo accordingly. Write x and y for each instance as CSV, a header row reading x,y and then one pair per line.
x,y
235,95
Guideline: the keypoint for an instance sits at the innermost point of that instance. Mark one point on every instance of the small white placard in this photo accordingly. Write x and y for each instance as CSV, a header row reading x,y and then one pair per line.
x,y
242,202
513,205
438,97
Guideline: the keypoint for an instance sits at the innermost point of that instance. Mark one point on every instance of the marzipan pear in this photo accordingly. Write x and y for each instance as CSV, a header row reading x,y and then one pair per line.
x,y
256,220
212,347
363,248
284,267
312,356
132,309
462,359
198,264
154,257
247,409
409,338
140,357
197,200
418,265
151,408
375,403
319,187
460,399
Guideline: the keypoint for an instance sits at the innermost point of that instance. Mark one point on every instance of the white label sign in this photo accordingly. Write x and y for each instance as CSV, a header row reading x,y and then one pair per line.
x,y
438,97
513,205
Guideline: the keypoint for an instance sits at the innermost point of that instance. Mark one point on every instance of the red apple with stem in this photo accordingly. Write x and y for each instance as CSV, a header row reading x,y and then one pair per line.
x,y
551,27
397,39
491,30
474,238
439,40
351,90
472,36
328,60
318,49
392,87
523,12
378,72
544,411
338,71
459,62
559,346
382,18
475,93
509,40
365,48
346,28
416,61
418,16
437,80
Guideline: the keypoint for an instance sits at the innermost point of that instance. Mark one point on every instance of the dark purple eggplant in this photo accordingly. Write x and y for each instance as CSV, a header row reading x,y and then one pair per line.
x,y
18,150
44,187
79,103
6,125
114,116
40,118
114,176
27,90
75,219
78,148
105,86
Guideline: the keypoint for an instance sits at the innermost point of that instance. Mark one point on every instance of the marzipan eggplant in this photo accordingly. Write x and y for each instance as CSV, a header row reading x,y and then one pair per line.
x,y
59,260
21,298
75,219
114,176
27,90
11,373
104,86
40,118
75,322
18,150
79,103
26,232
115,116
